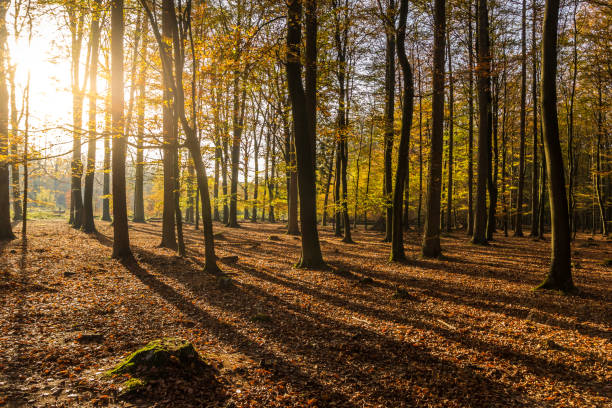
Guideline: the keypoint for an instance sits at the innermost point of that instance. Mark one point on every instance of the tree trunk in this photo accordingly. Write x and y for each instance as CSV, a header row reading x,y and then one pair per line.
x,y
14,142
6,230
560,274
106,187
451,119
168,239
139,215
518,226
397,243
87,223
121,239
598,169
431,240
302,127
470,183
493,159
389,118
484,130
76,198
534,96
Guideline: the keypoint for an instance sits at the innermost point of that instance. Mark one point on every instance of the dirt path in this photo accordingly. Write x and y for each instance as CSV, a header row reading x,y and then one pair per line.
x,y
463,331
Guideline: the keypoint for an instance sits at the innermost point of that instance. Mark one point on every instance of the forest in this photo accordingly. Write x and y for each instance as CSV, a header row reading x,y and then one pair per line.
x,y
305,203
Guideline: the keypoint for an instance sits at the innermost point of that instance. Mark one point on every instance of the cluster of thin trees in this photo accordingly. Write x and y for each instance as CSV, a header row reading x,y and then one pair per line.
x,y
227,78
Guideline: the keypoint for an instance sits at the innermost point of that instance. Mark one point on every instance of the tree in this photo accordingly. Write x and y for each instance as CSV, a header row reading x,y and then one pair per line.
x,y
121,238
87,223
397,243
534,94
560,272
518,226
388,21
139,215
311,250
483,73
431,240
470,214
6,230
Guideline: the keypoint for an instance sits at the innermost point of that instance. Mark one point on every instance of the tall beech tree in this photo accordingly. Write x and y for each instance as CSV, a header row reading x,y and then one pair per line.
x,y
560,272
518,225
483,73
431,240
6,230
397,242
302,127
87,223
121,238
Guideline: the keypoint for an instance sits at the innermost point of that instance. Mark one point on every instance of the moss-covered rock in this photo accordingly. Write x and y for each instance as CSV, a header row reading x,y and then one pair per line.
x,y
159,356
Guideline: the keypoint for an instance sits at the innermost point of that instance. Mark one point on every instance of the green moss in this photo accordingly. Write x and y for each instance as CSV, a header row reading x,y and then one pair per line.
x,y
160,354
132,385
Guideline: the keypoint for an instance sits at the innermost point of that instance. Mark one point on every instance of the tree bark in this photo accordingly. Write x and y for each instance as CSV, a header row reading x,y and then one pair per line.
x,y
560,273
87,222
484,107
397,243
518,226
6,230
302,127
389,117
534,96
139,215
431,240
121,239
168,239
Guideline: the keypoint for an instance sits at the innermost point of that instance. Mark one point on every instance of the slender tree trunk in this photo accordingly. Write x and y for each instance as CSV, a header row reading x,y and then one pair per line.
x,y
169,152
505,214
560,274
292,191
518,226
139,215
367,192
598,167
470,184
272,182
389,118
14,142
121,239
302,128
87,222
484,130
6,230
534,96
24,225
397,243
77,123
224,164
237,121
106,183
420,152
256,181
431,240
451,119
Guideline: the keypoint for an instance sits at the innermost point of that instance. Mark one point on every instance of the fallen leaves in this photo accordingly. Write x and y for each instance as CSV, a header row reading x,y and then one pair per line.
x,y
465,330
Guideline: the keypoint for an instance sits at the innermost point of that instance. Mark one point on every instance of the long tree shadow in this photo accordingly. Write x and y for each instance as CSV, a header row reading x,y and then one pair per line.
x,y
535,364
366,353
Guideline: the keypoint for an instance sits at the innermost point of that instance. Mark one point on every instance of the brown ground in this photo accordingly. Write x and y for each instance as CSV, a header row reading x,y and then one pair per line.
x,y
468,330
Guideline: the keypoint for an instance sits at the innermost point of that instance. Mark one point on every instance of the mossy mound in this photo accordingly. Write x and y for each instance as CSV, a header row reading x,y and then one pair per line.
x,y
159,356
164,360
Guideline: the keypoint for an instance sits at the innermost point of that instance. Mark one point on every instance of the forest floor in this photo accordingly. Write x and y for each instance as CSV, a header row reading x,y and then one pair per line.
x,y
463,331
